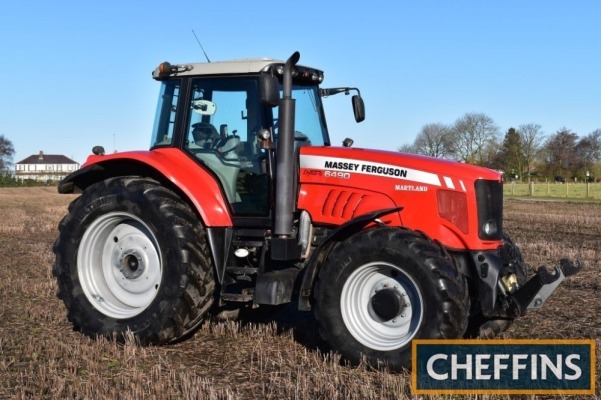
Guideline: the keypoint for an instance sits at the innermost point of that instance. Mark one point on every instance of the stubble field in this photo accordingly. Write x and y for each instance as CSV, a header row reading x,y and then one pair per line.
x,y
42,357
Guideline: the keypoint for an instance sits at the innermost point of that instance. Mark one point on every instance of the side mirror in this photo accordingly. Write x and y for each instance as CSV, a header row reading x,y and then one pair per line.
x,y
358,108
269,90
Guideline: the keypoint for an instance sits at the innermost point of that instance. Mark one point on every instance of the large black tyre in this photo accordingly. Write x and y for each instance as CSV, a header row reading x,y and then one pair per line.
x,y
383,287
132,256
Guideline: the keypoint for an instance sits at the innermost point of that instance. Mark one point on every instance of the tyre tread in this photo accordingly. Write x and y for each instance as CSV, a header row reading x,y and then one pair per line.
x,y
194,296
450,284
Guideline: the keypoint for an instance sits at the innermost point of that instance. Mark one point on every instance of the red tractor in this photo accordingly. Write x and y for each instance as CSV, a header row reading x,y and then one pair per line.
x,y
239,205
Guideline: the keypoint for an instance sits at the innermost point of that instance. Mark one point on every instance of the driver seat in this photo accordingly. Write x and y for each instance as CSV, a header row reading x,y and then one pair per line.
x,y
205,135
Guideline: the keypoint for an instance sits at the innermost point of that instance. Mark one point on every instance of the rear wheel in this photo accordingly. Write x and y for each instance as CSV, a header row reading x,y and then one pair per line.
x,y
131,255
384,287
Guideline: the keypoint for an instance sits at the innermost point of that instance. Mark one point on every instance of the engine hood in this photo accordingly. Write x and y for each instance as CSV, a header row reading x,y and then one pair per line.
x,y
409,167
437,197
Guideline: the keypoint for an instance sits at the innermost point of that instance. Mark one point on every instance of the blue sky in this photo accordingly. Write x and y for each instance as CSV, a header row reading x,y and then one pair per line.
x,y
77,73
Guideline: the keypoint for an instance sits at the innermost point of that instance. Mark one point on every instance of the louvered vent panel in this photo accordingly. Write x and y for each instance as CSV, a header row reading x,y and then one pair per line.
x,y
341,204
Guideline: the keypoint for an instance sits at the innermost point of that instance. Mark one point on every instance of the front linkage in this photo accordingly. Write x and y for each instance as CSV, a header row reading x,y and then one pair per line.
x,y
535,292
503,287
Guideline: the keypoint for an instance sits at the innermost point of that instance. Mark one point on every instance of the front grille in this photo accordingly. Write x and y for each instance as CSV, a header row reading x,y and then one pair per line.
x,y
489,198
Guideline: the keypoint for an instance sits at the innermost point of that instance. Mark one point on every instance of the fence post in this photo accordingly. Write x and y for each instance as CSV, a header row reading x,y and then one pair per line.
x,y
531,189
513,188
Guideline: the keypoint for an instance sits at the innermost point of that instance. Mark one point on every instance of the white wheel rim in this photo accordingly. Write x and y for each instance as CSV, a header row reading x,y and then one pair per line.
x,y
119,265
358,314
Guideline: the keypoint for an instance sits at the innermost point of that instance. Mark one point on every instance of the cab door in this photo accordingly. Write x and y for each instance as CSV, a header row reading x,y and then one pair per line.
x,y
224,117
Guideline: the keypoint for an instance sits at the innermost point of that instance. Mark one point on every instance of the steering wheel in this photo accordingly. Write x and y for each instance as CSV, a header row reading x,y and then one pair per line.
x,y
226,147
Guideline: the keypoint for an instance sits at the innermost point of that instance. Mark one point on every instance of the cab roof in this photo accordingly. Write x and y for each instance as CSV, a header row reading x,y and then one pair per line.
x,y
241,66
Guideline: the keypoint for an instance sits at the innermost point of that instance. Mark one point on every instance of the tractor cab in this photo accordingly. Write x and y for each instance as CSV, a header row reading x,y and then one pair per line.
x,y
224,115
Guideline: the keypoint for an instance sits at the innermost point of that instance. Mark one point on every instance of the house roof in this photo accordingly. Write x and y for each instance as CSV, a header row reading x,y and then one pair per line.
x,y
47,159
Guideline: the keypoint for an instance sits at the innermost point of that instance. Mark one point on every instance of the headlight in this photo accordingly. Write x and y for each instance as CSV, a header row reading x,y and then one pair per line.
x,y
490,228
489,200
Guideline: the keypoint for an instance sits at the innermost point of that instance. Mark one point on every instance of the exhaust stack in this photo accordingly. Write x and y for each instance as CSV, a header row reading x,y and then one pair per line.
x,y
283,245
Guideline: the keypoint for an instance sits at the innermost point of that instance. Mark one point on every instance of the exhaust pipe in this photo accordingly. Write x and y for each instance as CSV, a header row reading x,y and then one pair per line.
x,y
283,246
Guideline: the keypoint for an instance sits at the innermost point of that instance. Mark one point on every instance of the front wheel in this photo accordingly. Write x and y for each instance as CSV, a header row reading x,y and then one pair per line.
x,y
132,256
384,287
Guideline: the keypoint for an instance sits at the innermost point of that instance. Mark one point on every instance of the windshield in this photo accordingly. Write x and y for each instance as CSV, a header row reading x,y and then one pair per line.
x,y
309,122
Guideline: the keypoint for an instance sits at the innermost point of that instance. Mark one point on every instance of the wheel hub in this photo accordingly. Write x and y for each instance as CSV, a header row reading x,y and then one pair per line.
x,y
381,305
132,264
388,303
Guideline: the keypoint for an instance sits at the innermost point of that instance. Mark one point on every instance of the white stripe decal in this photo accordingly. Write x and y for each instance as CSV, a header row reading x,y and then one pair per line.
x,y
462,186
449,182
368,168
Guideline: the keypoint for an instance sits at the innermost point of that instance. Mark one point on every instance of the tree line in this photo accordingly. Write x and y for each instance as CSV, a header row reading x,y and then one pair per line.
x,y
522,153
7,150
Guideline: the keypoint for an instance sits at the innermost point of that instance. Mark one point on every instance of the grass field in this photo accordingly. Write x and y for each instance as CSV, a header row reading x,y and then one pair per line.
x,y
41,357
575,191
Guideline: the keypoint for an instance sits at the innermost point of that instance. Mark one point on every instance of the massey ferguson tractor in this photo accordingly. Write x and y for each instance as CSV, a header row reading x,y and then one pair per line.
x,y
242,201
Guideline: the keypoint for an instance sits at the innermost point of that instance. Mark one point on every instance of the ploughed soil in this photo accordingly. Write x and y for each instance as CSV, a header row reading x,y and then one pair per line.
x,y
273,356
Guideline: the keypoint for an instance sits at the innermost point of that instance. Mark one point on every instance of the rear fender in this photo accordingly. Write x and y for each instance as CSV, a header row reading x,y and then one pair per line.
x,y
169,166
320,254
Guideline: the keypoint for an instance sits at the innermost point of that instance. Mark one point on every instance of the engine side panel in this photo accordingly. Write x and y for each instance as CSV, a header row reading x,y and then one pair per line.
x,y
336,205
437,196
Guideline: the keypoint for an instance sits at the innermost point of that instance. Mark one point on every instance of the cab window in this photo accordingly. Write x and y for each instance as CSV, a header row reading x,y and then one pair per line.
x,y
164,123
309,122
224,119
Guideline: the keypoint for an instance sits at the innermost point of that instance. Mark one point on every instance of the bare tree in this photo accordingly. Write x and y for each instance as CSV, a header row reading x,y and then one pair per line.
x,y
532,138
434,140
408,148
474,135
560,153
6,153
588,151
594,140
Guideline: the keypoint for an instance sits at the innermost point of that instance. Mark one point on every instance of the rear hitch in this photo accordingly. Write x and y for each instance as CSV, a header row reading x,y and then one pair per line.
x,y
534,293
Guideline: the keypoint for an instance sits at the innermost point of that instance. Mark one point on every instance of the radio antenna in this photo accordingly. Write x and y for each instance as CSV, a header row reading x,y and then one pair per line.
x,y
202,48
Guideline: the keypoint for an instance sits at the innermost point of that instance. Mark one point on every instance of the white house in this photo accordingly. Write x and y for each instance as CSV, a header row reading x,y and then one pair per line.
x,y
45,167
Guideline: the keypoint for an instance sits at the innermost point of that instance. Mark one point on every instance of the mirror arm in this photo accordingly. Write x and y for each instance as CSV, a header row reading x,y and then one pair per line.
x,y
333,91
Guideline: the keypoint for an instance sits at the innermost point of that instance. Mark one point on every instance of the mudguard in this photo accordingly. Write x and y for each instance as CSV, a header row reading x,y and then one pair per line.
x,y
167,165
320,254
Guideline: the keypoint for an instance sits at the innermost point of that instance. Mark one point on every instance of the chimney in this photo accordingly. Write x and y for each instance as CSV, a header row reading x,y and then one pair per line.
x,y
41,156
